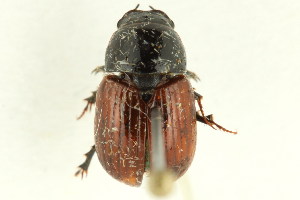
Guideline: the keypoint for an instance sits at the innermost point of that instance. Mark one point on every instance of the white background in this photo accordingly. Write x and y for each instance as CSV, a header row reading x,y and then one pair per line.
x,y
246,53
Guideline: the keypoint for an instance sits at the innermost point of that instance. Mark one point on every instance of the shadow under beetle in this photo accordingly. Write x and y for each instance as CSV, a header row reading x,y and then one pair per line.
x,y
146,65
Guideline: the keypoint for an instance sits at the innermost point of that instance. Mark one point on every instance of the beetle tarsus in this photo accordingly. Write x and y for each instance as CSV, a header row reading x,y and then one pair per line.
x,y
83,168
211,121
192,75
90,101
98,69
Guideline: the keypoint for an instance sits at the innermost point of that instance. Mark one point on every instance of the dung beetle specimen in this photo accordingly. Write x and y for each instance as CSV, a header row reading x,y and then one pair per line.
x,y
146,65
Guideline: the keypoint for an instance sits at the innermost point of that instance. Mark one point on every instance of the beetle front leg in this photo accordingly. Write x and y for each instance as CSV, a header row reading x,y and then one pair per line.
x,y
90,101
192,75
98,69
83,168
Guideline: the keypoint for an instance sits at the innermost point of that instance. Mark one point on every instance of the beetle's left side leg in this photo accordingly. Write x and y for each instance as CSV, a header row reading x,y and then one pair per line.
x,y
198,98
92,99
192,75
209,118
83,168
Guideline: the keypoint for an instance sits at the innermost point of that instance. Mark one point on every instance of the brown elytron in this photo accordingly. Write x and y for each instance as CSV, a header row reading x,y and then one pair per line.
x,y
122,127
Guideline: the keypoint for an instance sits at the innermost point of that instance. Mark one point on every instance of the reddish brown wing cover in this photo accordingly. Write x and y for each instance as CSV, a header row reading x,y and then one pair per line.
x,y
120,130
176,98
122,127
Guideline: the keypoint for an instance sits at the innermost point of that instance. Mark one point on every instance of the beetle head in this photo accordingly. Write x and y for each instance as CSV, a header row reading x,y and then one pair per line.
x,y
139,16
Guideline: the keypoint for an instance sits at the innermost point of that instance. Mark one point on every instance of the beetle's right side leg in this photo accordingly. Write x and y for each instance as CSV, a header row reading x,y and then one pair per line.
x,y
83,168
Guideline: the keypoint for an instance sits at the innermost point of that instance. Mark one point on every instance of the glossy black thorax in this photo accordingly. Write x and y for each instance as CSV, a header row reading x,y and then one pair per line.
x,y
145,43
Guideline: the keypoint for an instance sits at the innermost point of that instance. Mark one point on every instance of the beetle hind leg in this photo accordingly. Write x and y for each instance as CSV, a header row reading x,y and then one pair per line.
x,y
90,101
201,119
198,98
83,168
209,118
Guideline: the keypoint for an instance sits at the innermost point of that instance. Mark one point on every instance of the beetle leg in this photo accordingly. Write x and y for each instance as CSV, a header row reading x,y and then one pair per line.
x,y
83,168
90,101
210,119
198,98
98,69
201,119
192,75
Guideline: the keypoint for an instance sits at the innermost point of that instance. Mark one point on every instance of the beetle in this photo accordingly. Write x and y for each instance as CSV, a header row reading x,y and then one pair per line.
x,y
145,66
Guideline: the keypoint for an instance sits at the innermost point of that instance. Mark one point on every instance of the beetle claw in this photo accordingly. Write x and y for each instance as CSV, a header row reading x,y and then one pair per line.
x,y
81,173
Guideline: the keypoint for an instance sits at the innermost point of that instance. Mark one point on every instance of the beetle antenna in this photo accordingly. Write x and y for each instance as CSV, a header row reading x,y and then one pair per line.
x,y
136,7
151,8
